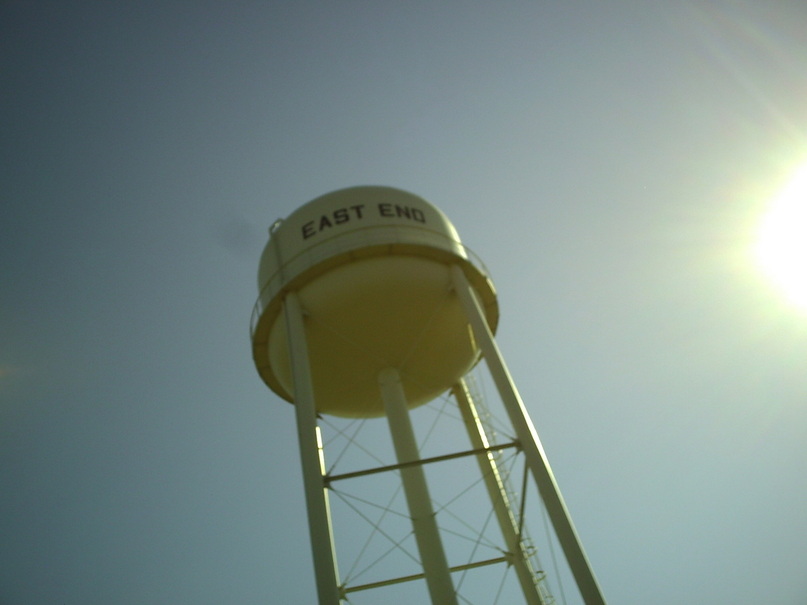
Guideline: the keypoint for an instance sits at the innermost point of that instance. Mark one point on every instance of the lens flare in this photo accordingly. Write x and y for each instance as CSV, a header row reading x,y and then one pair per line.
x,y
781,249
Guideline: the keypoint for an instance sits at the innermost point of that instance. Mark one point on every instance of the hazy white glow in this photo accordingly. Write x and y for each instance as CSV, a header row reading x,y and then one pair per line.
x,y
782,246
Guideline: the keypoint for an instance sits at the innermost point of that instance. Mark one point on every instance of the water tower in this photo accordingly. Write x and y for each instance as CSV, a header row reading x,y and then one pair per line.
x,y
370,307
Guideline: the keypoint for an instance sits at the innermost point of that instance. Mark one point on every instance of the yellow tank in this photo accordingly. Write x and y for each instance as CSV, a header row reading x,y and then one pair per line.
x,y
371,268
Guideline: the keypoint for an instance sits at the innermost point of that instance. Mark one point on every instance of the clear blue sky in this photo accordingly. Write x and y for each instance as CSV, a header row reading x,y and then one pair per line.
x,y
607,161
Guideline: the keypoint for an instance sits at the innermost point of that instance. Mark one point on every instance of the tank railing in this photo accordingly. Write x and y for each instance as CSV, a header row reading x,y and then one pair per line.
x,y
271,287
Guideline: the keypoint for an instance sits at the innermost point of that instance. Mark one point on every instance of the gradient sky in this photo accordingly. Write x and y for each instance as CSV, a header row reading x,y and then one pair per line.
x,y
609,163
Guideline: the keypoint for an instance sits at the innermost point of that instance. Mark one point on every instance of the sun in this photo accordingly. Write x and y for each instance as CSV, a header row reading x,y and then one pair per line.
x,y
781,249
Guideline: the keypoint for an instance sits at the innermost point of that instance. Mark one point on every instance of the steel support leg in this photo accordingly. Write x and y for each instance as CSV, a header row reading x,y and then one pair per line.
x,y
424,524
533,451
316,494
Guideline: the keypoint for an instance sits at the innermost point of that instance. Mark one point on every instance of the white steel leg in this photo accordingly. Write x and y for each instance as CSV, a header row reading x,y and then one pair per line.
x,y
316,495
424,524
533,451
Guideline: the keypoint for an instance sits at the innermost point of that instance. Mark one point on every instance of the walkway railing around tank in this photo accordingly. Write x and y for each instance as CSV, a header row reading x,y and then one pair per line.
x,y
276,281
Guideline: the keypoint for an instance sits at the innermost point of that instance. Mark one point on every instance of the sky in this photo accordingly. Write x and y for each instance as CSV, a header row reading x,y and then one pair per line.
x,y
609,163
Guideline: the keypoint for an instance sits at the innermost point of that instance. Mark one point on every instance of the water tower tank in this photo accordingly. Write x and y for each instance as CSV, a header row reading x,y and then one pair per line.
x,y
371,268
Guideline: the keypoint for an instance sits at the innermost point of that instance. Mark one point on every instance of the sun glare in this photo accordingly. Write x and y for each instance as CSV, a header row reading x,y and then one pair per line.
x,y
781,249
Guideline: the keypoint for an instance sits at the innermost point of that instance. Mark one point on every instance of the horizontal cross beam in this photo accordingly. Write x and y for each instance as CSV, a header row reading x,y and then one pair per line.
x,y
394,467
